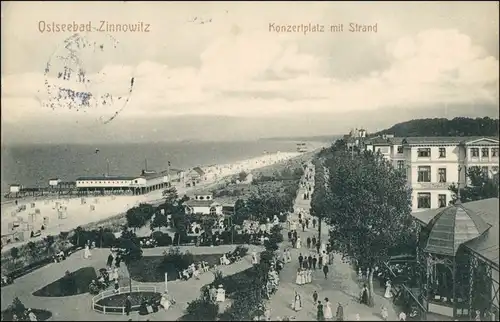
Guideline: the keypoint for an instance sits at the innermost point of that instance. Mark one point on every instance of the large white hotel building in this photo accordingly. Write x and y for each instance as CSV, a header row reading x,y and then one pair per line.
x,y
432,164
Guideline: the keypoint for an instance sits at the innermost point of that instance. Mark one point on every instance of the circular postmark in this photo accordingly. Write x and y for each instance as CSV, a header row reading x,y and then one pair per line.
x,y
82,75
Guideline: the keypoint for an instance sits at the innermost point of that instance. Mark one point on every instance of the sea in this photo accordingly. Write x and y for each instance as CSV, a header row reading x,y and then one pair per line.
x,y
34,165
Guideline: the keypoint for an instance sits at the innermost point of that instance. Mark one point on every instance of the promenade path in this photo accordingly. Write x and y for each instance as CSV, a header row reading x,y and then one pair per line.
x,y
341,286
78,307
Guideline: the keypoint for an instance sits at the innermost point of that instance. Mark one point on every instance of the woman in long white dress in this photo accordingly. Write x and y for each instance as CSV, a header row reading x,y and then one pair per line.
x,y
388,293
298,245
298,280
297,302
254,258
309,276
165,302
303,276
114,275
86,252
328,310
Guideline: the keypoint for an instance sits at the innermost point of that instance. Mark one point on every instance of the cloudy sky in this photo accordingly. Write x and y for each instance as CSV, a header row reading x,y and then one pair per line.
x,y
214,66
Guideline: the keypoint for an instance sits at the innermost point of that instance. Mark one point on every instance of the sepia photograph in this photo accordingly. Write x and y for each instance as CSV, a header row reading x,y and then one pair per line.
x,y
250,161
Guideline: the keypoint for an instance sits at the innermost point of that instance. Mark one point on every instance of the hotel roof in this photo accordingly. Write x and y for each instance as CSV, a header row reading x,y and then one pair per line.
x,y
486,245
415,140
106,178
200,203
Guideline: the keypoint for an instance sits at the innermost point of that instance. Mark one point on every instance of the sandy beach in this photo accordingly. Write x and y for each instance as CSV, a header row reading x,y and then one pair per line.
x,y
65,214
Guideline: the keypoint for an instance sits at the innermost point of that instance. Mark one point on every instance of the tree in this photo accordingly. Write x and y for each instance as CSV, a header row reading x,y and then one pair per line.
x,y
242,176
49,241
32,249
14,253
241,212
135,218
368,205
158,221
19,309
170,195
202,309
482,186
79,236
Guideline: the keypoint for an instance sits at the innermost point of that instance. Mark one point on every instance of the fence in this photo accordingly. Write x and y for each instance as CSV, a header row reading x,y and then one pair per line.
x,y
118,309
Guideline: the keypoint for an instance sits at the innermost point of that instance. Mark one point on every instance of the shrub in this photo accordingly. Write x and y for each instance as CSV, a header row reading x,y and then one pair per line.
x,y
201,309
174,258
161,238
108,239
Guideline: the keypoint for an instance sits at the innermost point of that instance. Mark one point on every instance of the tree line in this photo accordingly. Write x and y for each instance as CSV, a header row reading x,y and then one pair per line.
x,y
459,126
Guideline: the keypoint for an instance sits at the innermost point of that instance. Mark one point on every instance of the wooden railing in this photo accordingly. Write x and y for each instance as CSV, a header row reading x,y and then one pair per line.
x,y
118,309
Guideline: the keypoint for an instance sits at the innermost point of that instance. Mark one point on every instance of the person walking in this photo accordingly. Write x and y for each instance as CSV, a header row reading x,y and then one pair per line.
x,y
315,297
303,226
314,222
318,246
340,312
128,305
308,242
320,316
328,309
310,261
307,223
301,259
325,271
320,261
313,240
314,262
110,260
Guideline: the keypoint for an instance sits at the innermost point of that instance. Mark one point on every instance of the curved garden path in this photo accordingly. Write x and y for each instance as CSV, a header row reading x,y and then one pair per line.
x,y
78,307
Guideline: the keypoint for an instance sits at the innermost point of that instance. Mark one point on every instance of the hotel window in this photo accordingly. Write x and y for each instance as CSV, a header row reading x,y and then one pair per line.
x,y
494,169
485,152
494,152
400,150
400,164
441,201
423,200
424,174
424,152
442,175
474,152
442,152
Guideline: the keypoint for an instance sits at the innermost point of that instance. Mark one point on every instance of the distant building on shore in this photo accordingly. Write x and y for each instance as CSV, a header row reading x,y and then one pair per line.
x,y
15,188
54,182
145,183
202,203
194,176
433,164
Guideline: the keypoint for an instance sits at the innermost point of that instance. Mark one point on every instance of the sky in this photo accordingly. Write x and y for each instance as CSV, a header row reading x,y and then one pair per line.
x,y
210,64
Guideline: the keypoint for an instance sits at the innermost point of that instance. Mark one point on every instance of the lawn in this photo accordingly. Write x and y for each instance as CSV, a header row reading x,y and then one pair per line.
x,y
75,283
240,281
42,315
149,269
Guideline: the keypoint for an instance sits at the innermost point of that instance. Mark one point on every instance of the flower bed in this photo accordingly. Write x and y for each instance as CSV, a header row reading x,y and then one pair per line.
x,y
152,269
